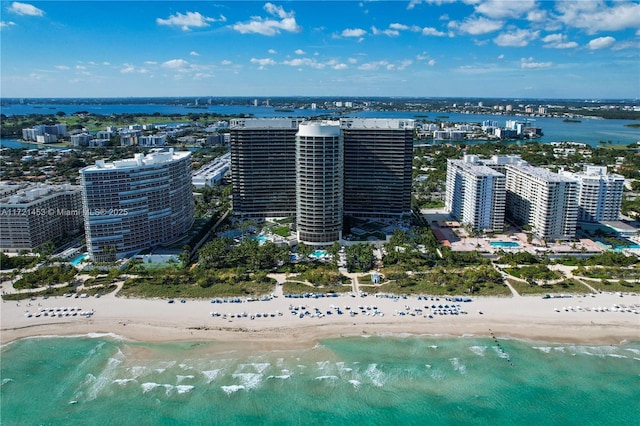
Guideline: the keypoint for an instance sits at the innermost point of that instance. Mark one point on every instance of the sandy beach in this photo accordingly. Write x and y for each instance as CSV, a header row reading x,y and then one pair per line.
x,y
597,319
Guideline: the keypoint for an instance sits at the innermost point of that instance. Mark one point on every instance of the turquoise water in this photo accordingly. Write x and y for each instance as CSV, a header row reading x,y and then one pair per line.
x,y
374,381
504,244
318,254
76,260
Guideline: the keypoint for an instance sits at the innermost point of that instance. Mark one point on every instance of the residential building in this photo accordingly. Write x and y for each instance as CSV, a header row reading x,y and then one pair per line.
x,y
136,203
38,214
599,194
378,156
373,168
546,201
475,194
81,139
263,166
319,182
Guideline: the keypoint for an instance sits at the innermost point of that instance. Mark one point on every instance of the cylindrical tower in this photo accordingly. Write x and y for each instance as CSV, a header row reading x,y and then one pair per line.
x,y
319,182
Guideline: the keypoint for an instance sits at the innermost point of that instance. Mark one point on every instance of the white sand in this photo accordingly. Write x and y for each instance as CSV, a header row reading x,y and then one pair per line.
x,y
531,318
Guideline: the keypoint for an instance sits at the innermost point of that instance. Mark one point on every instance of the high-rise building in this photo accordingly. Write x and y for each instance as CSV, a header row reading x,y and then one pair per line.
x,y
263,167
475,194
39,214
136,203
319,188
546,201
599,194
378,156
369,159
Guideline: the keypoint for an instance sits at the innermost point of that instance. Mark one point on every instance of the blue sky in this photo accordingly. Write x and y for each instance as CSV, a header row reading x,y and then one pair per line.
x,y
434,48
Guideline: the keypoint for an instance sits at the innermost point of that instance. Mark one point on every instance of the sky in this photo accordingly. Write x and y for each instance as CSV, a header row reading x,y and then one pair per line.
x,y
578,49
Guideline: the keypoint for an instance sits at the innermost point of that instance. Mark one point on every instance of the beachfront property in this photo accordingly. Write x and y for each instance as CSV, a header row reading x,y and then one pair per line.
x,y
369,159
263,167
475,194
546,201
378,155
38,214
212,173
599,194
319,182
136,203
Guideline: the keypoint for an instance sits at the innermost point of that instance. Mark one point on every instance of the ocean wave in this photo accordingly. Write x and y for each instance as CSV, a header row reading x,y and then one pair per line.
x,y
356,384
458,366
248,380
123,382
231,389
210,375
478,350
180,379
331,378
545,349
632,350
282,377
94,385
5,381
184,388
376,376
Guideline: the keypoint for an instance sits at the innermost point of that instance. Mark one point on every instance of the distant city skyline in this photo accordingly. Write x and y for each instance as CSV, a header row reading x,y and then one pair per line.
x,y
431,48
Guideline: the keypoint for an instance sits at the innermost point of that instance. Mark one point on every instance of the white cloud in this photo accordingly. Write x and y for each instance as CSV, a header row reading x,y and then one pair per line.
x,y
353,60
127,69
529,63
263,62
501,56
353,32
150,62
194,53
422,56
597,16
299,62
601,43
499,9
399,27
517,38
176,65
372,66
25,9
340,66
430,31
62,67
558,41
272,51
267,26
299,52
476,26
6,24
414,3
226,62
188,20
431,62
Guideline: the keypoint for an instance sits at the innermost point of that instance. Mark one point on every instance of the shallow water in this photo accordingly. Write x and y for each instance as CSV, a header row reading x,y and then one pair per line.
x,y
375,380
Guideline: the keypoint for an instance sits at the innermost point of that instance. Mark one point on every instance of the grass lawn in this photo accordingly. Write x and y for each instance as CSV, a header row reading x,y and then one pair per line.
x,y
606,285
423,286
150,287
566,286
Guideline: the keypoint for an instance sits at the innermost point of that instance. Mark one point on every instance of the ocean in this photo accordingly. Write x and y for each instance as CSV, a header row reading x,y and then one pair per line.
x,y
408,380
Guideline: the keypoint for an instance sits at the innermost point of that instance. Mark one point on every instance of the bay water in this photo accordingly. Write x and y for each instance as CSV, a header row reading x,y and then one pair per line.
x,y
379,380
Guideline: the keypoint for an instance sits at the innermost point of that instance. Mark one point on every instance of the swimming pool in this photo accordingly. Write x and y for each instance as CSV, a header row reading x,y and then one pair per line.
x,y
504,244
76,260
318,254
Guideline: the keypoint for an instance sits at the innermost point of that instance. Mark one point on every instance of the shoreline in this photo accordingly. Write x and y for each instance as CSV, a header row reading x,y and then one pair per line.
x,y
154,320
